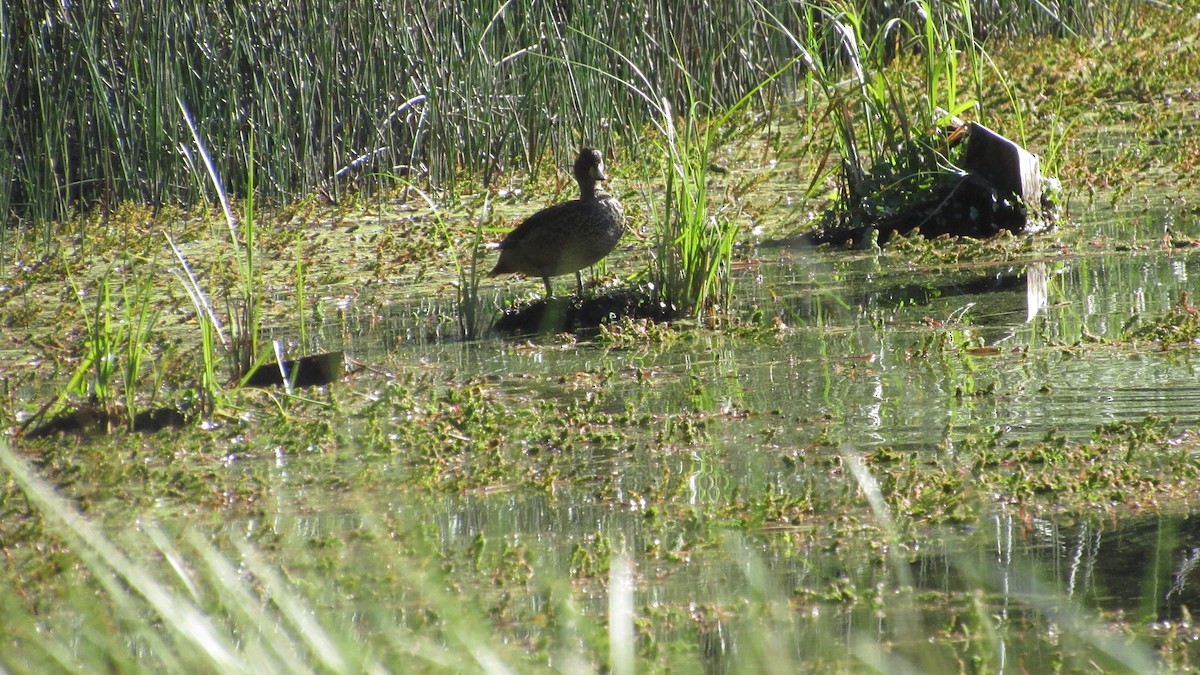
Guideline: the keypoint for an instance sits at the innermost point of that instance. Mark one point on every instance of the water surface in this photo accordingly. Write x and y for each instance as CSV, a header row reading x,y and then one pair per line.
x,y
876,353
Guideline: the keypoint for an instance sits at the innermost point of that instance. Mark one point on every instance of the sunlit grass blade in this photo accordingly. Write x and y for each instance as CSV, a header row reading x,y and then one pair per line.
x,y
187,622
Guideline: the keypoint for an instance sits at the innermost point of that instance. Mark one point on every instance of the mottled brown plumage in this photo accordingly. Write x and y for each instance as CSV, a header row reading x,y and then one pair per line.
x,y
566,237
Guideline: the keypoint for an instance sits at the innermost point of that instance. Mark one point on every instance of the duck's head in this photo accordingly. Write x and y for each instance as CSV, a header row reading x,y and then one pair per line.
x,y
589,166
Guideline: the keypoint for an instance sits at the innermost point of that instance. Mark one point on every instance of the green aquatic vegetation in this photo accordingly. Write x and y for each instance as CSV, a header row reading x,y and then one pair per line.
x,y
927,492
245,310
592,557
754,325
694,247
694,240
824,508
183,603
210,329
626,332
137,470
946,251
117,340
468,436
1059,91
471,309
948,342
1124,465
891,155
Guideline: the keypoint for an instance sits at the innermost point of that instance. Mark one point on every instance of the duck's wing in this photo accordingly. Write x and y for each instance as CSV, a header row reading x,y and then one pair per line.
x,y
549,223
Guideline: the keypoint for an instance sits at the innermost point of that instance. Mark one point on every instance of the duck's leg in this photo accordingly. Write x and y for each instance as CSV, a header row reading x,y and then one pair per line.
x,y
579,281
546,280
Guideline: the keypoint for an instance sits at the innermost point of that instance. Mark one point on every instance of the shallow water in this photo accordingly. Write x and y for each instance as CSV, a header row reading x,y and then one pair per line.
x,y
876,353
893,356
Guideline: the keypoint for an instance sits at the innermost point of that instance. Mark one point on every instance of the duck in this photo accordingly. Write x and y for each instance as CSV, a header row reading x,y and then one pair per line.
x,y
569,236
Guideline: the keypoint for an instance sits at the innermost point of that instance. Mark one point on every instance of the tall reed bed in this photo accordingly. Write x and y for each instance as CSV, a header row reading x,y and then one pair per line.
x,y
335,93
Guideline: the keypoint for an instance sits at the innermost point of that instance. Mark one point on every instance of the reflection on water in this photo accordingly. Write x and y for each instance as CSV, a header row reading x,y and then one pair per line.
x,y
1144,565
1037,289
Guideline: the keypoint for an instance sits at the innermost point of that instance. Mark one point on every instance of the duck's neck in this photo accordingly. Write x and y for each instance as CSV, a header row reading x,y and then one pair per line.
x,y
590,190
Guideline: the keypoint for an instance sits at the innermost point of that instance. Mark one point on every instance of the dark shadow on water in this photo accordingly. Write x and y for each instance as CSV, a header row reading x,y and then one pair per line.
x,y
569,314
89,420
1005,279
315,370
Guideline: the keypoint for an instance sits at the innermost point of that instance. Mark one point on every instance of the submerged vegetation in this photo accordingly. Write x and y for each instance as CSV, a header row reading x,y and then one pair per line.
x,y
915,454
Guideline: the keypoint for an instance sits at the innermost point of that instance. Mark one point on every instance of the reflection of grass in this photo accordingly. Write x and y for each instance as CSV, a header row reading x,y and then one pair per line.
x,y
1178,325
